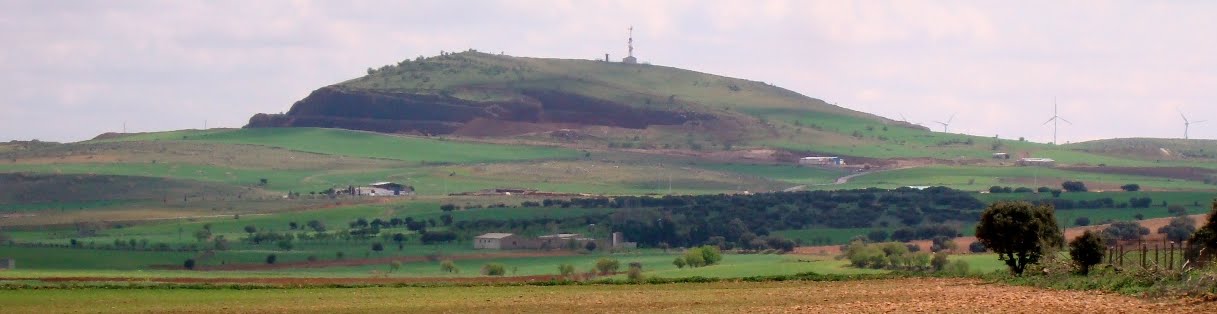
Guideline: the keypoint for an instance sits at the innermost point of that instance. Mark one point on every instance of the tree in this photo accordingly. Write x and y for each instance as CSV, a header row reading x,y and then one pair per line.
x,y
316,225
679,262
448,266
877,236
1073,186
202,235
1082,221
1204,241
566,270
494,269
1131,187
1125,231
1179,229
378,247
607,266
1176,209
189,264
399,238
635,272
293,225
285,245
977,247
1019,232
270,259
939,261
590,246
1086,250
250,229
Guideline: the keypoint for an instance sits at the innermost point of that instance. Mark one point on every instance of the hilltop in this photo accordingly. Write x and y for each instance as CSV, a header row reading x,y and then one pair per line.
x,y
479,94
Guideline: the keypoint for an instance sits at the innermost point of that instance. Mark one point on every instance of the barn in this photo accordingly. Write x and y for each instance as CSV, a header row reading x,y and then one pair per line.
x,y
498,241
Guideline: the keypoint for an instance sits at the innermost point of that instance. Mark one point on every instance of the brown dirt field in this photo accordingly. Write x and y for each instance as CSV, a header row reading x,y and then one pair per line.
x,y
370,261
918,295
1185,173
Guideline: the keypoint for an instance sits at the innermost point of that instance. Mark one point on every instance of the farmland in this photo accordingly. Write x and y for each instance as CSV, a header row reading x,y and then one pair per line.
x,y
879,296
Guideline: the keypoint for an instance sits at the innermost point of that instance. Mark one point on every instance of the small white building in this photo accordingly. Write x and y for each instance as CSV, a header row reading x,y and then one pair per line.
x,y
386,189
1042,162
822,161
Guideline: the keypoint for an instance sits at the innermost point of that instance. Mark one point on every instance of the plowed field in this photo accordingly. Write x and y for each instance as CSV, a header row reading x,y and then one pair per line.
x,y
864,296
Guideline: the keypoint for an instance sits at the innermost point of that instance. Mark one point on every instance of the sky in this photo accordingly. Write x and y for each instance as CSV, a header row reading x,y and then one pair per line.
x,y
71,70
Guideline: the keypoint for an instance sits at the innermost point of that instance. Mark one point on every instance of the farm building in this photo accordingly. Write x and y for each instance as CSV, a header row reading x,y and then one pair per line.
x,y
386,189
8,263
497,241
508,241
1001,156
822,161
1043,162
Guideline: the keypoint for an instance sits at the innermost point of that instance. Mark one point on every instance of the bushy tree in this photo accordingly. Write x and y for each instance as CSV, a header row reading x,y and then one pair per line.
x,y
977,247
1082,221
635,272
679,262
1074,186
939,262
1086,251
1124,231
877,236
1204,241
189,264
378,247
271,259
494,269
566,270
285,245
1179,229
607,265
1019,232
1131,187
448,266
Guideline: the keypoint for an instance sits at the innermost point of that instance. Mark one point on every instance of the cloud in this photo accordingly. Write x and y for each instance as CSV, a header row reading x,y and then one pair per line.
x,y
1119,69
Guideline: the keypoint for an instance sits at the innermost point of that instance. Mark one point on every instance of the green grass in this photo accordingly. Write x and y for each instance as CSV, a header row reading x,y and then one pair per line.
x,y
977,178
787,173
810,236
366,144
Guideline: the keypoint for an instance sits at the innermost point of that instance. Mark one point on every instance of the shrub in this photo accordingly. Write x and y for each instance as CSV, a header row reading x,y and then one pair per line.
x,y
285,245
394,266
1086,250
957,268
1131,187
977,247
607,265
270,259
566,270
189,264
635,272
1081,221
1022,189
939,262
942,243
1176,209
711,254
590,246
494,269
378,247
679,262
693,258
448,266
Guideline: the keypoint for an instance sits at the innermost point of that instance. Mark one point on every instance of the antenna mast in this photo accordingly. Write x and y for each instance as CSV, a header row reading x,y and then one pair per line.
x,y
630,43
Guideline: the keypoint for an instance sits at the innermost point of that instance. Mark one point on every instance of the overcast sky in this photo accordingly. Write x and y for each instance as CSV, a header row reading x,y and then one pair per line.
x,y
70,70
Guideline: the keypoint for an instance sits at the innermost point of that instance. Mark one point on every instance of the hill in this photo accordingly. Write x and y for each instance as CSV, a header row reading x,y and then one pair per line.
x,y
472,93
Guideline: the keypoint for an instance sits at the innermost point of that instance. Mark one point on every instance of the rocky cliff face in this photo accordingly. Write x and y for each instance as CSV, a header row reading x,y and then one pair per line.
x,y
388,112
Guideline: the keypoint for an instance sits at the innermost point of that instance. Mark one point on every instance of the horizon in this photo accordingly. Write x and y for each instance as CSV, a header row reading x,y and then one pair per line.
x,y
82,69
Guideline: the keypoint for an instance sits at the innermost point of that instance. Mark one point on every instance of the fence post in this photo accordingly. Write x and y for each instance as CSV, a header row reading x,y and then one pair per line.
x,y
1170,260
1156,256
1144,252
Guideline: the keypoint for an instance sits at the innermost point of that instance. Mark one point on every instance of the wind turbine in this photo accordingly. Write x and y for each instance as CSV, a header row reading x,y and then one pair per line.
x,y
1055,117
1187,124
946,125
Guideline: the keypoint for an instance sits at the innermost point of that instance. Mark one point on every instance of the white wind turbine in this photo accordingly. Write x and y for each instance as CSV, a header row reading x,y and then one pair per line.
x,y
946,126
1054,119
1187,124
